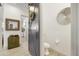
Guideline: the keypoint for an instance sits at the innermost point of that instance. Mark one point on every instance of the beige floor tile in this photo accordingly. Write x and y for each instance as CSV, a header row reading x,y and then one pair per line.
x,y
19,51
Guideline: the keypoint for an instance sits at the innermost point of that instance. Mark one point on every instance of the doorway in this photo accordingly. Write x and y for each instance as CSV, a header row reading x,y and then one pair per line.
x,y
24,31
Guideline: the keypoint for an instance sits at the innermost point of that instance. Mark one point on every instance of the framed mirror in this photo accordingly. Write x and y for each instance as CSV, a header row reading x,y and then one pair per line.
x,y
64,16
12,24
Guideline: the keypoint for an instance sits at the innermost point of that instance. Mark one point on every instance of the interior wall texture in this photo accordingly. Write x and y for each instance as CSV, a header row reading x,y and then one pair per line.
x,y
13,11
51,31
1,29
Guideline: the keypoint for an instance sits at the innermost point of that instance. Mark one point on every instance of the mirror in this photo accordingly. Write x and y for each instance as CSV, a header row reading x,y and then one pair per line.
x,y
64,16
12,24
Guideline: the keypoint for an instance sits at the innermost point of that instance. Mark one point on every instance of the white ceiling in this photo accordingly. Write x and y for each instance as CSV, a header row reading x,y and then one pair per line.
x,y
22,6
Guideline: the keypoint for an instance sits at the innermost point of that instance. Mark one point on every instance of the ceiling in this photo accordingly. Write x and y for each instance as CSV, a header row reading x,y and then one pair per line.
x,y
22,6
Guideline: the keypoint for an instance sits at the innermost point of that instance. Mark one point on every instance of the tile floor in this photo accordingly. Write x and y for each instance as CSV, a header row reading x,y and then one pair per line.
x,y
54,52
19,51
23,51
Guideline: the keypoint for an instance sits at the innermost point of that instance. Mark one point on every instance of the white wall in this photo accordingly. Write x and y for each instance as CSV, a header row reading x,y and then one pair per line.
x,y
1,31
52,31
12,11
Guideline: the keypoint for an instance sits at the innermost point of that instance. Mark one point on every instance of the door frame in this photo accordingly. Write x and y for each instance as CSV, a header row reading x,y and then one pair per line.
x,y
75,29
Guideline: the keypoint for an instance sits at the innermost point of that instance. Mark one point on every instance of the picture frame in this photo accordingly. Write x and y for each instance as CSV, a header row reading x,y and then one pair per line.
x,y
12,24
